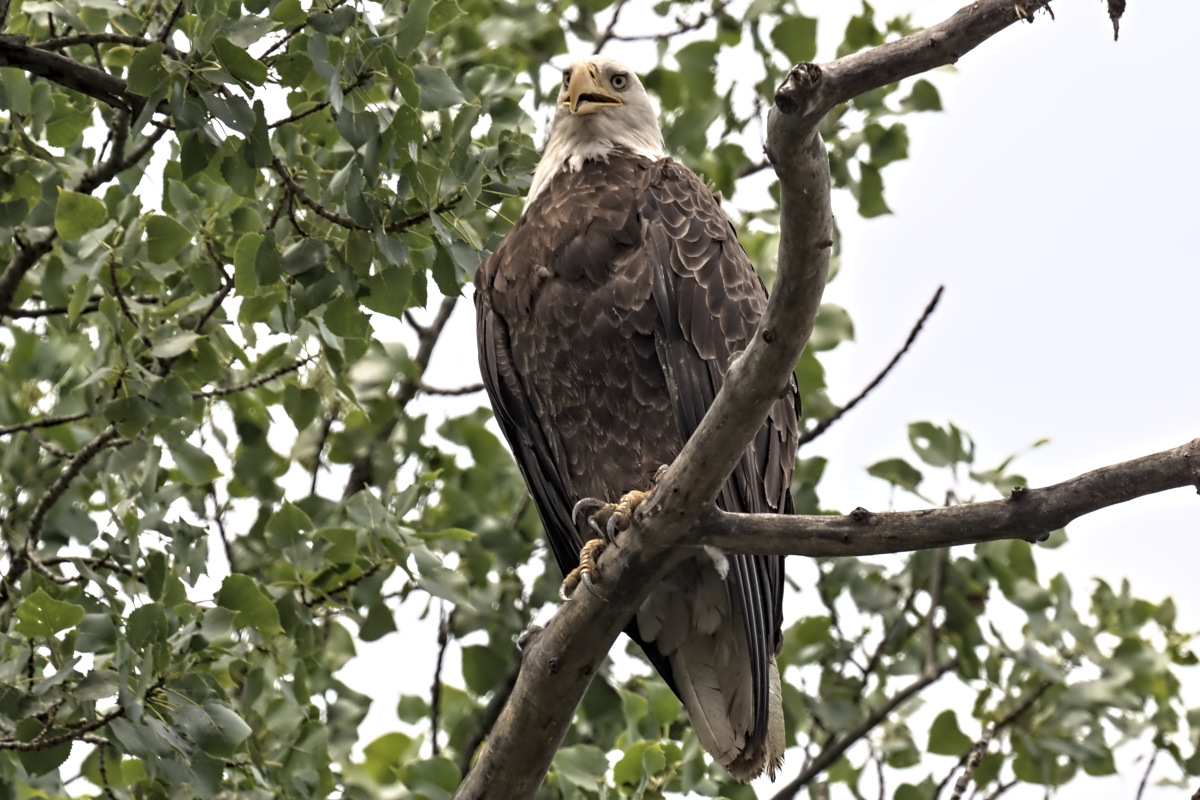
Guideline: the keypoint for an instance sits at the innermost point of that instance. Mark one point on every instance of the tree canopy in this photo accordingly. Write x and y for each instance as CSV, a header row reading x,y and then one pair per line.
x,y
215,480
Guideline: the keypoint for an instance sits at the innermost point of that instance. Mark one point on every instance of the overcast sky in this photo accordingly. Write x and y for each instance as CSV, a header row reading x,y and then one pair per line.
x,y
1055,200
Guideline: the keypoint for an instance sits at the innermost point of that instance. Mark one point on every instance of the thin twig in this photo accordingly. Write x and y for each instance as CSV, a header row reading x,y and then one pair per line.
x,y
224,391
682,26
1146,775
470,388
63,42
435,691
824,424
935,600
973,759
326,426
164,30
218,518
835,747
609,31
43,422
42,743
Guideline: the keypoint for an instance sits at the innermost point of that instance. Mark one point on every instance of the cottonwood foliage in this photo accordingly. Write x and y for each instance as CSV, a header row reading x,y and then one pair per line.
x,y
213,482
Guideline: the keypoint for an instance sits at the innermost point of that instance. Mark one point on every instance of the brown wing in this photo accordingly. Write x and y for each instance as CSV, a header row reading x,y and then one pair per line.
x,y
566,326
710,300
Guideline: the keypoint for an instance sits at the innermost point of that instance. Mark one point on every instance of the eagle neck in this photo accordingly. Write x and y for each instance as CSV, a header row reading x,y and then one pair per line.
x,y
567,153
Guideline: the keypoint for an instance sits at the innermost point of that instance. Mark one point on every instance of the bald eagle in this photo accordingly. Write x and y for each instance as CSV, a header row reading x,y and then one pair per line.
x,y
608,318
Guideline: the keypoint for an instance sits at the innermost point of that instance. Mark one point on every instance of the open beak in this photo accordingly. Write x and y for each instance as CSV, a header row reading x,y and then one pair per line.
x,y
584,94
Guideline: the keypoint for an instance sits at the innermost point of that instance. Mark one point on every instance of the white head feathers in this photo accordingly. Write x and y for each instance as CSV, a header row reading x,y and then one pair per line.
x,y
602,106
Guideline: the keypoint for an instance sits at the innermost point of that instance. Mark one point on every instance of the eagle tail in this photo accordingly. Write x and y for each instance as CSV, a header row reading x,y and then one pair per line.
x,y
703,640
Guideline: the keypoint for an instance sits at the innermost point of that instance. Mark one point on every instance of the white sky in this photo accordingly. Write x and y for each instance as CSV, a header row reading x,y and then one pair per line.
x,y
1054,199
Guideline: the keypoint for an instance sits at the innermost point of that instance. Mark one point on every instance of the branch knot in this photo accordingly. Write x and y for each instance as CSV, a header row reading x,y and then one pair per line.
x,y
801,80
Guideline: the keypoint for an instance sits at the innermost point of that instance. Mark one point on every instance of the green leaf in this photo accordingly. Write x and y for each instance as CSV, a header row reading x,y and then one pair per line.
x,y
240,64
171,342
18,89
945,737
383,755
437,90
43,759
833,326
253,606
482,668
343,318
39,614
796,38
197,466
76,214
412,708
940,447
897,472
887,144
165,237
582,765
389,291
245,259
923,97
411,29
287,526
146,72
214,727
870,193
146,624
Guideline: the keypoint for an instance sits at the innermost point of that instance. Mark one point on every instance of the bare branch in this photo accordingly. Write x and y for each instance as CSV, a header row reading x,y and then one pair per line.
x,y
470,388
224,391
164,30
435,691
825,424
974,757
609,31
63,42
43,422
1153,756
1028,514
682,26
76,732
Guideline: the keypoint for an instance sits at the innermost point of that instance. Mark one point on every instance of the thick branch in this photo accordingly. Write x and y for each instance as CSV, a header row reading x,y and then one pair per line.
x,y
1027,514
811,90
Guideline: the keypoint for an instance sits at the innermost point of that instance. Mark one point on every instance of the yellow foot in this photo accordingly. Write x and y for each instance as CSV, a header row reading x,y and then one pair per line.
x,y
606,521
586,572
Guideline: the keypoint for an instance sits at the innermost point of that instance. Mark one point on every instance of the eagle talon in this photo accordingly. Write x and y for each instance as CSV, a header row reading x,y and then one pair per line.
x,y
587,571
586,503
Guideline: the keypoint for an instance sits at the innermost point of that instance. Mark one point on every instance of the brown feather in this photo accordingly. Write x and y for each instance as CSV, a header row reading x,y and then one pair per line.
x,y
608,319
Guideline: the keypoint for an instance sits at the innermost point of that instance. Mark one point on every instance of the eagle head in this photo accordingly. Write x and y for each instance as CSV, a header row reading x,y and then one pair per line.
x,y
601,106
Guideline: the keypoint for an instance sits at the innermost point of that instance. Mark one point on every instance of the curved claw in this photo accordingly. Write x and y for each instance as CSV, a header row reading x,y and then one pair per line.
x,y
614,525
582,505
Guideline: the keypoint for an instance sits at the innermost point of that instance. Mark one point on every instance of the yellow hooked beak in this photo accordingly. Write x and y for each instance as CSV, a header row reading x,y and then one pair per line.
x,y
584,95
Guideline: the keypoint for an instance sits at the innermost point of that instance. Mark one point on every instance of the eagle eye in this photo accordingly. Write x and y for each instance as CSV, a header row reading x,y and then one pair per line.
x,y
566,78
620,81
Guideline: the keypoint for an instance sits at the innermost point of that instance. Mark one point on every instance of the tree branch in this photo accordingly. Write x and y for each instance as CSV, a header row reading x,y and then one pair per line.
x,y
1028,514
826,423
43,422
253,384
